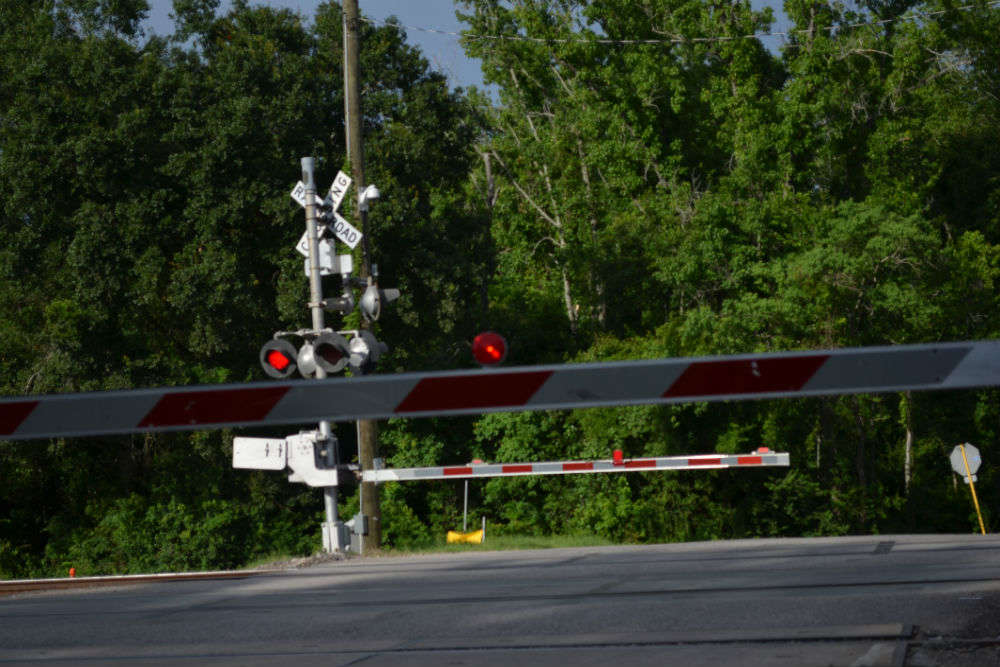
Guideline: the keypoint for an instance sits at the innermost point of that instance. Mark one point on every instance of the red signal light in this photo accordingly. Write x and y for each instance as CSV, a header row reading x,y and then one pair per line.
x,y
277,360
489,348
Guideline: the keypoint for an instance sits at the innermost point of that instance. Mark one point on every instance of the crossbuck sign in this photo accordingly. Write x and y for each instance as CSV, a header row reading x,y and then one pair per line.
x,y
341,228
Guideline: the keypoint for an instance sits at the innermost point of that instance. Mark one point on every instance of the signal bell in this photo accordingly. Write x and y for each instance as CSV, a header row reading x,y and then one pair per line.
x,y
489,348
328,351
373,298
277,358
365,352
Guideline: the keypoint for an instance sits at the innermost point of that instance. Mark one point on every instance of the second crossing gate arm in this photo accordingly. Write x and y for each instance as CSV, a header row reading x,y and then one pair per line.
x,y
644,464
679,380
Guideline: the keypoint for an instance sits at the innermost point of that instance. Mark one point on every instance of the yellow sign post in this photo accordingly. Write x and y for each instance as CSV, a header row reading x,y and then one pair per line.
x,y
968,471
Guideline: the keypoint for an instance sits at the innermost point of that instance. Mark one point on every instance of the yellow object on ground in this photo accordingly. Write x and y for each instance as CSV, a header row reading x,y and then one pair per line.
x,y
475,537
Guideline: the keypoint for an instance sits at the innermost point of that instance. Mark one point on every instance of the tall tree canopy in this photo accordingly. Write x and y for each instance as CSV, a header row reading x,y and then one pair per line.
x,y
673,185
148,239
651,180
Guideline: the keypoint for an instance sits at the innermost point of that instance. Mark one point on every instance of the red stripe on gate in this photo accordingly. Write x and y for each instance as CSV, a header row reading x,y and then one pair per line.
x,y
225,406
491,390
524,468
749,460
12,415
587,465
641,463
464,470
704,462
745,376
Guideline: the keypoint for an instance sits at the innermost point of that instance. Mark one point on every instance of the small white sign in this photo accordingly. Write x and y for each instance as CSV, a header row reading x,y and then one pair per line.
x,y
260,453
345,264
345,231
338,189
971,455
299,195
302,461
329,263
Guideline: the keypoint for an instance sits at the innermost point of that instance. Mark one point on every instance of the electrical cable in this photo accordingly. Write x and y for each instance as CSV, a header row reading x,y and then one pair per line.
x,y
677,40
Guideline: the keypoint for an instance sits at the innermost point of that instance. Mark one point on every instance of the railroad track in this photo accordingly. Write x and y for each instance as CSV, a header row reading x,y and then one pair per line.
x,y
13,586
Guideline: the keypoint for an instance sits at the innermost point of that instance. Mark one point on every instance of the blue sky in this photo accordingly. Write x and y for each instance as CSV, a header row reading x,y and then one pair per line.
x,y
442,51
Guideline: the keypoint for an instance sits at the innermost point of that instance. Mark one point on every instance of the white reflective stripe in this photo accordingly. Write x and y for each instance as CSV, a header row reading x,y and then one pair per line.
x,y
692,462
623,382
888,368
87,413
979,368
339,399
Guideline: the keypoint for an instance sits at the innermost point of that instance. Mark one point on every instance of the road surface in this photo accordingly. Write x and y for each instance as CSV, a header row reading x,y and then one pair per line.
x,y
882,600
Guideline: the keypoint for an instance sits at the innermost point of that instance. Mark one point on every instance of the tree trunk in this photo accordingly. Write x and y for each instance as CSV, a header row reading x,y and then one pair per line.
x,y
596,279
859,461
571,307
490,200
907,401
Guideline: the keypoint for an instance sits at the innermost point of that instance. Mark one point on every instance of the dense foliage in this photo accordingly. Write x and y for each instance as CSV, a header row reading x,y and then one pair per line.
x,y
700,193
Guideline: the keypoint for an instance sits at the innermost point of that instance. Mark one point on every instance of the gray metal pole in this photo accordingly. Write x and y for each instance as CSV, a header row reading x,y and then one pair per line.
x,y
331,541
465,508
312,232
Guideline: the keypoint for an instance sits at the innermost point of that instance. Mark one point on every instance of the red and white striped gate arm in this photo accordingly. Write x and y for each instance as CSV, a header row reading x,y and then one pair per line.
x,y
737,377
697,462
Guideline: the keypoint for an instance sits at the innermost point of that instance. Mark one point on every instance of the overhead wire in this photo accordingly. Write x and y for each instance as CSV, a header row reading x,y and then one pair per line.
x,y
679,40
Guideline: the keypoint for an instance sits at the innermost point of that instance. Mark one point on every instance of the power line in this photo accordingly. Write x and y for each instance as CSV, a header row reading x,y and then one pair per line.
x,y
677,40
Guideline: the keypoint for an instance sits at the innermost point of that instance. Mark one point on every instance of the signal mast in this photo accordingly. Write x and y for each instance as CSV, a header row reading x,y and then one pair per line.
x,y
312,455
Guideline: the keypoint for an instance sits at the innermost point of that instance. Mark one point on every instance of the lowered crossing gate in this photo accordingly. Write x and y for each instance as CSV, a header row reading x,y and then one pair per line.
x,y
298,452
681,380
763,457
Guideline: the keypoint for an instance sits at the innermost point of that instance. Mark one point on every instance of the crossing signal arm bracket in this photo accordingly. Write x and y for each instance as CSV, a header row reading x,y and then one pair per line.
x,y
333,351
302,453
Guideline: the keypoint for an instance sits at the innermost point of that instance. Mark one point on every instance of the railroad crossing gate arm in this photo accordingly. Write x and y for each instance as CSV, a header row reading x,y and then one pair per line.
x,y
736,377
756,459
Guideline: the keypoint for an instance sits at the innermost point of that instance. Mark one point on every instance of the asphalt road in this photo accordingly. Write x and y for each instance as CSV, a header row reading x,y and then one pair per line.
x,y
885,600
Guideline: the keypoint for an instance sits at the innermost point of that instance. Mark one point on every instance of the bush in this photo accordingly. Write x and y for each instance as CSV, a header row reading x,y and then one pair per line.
x,y
135,535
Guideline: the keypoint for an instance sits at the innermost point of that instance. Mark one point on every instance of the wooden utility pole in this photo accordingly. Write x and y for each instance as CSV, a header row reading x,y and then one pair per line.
x,y
367,431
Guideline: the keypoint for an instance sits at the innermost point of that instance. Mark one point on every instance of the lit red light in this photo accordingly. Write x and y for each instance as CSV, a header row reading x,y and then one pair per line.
x,y
489,348
278,360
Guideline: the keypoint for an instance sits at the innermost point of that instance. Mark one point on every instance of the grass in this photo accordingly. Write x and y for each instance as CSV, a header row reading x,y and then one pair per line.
x,y
492,543
509,543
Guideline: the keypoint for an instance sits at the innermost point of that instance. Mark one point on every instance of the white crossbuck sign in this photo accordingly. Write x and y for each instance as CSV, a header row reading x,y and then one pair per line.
x,y
341,228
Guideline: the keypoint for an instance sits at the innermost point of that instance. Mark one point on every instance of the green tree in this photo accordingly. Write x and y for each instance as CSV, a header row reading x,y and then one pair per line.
x,y
148,240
